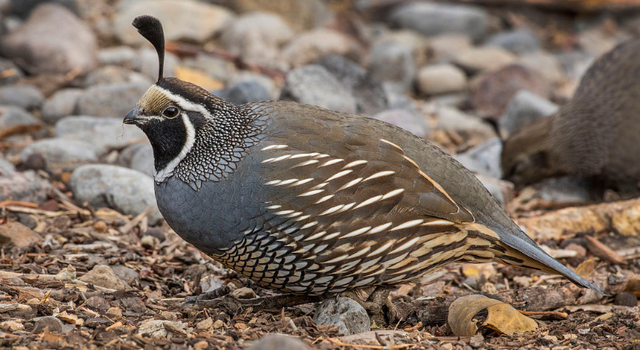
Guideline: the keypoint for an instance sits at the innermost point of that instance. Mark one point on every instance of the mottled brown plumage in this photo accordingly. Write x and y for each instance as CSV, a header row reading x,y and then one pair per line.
x,y
593,135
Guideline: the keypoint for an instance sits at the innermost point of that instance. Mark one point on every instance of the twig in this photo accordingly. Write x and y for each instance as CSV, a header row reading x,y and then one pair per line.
x,y
135,221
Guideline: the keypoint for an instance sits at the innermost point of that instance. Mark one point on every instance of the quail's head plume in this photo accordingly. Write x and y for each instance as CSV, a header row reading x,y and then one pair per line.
x,y
307,200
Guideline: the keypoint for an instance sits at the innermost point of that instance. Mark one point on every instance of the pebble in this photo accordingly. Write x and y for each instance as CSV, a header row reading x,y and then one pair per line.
x,y
440,79
487,156
244,92
13,117
11,72
100,100
103,276
117,55
545,64
52,40
6,167
518,41
53,323
257,38
278,342
243,293
127,191
11,326
575,63
158,328
314,85
60,105
346,313
24,186
300,15
23,96
446,46
483,59
433,19
310,46
61,153
138,156
564,189
97,322
394,64
22,8
494,91
133,305
524,108
502,191
115,75
450,118
214,67
126,274
193,21
412,122
103,133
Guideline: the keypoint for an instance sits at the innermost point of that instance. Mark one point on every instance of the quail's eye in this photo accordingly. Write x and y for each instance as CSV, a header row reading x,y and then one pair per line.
x,y
171,112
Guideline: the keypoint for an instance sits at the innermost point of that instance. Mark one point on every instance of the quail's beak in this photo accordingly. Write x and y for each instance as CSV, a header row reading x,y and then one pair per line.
x,y
133,117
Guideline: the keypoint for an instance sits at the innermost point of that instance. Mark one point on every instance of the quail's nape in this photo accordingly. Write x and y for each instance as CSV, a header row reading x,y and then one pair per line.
x,y
307,200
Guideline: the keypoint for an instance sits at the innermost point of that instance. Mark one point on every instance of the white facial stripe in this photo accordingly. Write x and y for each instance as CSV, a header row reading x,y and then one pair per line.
x,y
185,105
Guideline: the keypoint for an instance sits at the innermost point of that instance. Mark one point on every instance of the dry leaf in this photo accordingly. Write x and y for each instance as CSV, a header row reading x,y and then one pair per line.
x,y
501,317
587,267
198,77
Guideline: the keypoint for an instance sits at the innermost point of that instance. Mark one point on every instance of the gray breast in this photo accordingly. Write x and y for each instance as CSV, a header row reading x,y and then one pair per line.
x,y
215,216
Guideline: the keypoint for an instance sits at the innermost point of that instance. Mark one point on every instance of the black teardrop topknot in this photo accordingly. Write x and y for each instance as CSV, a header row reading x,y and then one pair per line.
x,y
151,29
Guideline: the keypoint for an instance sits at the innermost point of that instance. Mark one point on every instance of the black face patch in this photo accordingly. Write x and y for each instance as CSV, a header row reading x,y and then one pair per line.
x,y
168,137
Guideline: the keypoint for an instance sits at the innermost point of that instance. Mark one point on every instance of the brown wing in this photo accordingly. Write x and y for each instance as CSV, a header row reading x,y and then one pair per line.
x,y
357,213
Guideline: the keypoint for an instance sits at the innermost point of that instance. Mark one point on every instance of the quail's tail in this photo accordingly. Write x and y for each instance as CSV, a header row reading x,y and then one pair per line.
x,y
523,251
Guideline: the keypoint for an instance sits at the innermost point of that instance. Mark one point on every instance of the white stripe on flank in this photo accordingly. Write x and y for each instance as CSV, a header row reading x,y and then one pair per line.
x,y
408,224
274,147
340,174
380,174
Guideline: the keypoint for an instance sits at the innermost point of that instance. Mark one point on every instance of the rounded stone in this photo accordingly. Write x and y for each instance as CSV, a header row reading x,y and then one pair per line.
x,y
440,79
347,314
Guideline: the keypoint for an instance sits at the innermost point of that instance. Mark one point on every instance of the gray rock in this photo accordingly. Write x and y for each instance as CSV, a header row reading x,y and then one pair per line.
x,y
23,96
214,67
348,315
244,92
52,40
300,15
10,72
190,20
450,118
6,167
119,55
256,78
22,8
142,160
23,186
146,62
432,19
502,191
61,153
257,37
447,46
545,64
441,78
278,342
103,276
53,323
412,122
518,41
575,63
113,100
126,274
61,104
483,58
103,133
394,64
308,47
494,90
127,191
115,75
11,117
486,156
524,108
313,85
369,94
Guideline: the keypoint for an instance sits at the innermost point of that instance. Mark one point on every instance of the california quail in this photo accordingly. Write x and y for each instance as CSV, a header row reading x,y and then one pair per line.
x,y
306,200
593,135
